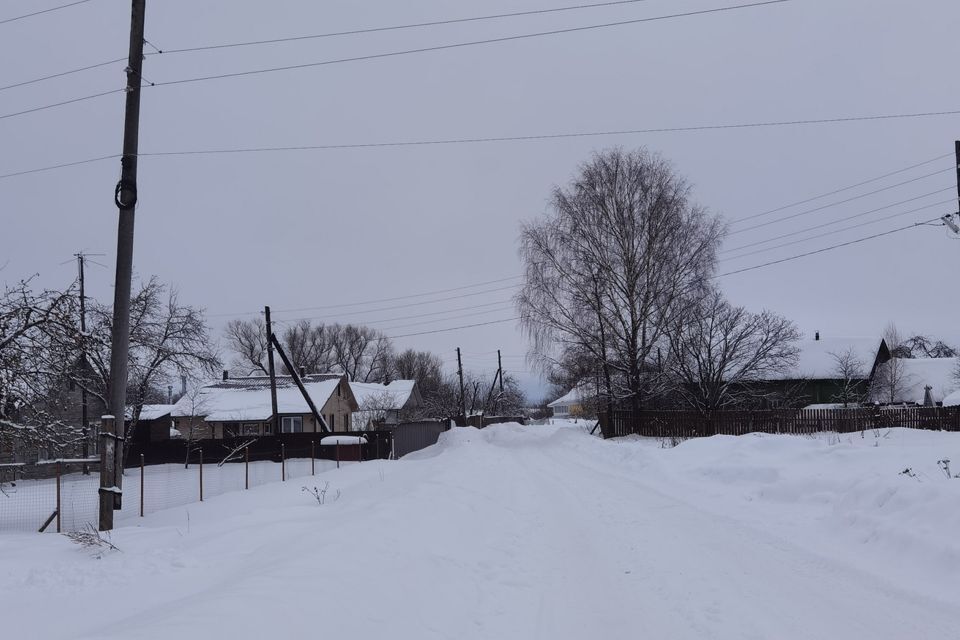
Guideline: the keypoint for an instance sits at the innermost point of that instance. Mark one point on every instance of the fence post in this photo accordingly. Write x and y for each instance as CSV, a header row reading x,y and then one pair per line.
x,y
283,463
378,446
58,495
338,454
141,485
201,474
246,467
313,458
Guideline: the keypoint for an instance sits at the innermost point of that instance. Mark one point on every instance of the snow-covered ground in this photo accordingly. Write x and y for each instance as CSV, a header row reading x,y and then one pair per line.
x,y
534,532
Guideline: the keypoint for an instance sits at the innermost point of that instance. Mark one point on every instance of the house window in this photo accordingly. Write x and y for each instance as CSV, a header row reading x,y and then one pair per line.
x,y
268,427
231,430
291,424
251,429
346,422
333,422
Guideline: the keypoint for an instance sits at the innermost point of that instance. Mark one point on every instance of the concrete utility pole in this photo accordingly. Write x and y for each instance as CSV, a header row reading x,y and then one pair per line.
x,y
948,219
84,417
125,196
463,396
271,370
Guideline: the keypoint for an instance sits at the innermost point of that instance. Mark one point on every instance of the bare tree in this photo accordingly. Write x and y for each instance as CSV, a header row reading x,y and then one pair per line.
x,y
719,351
608,270
890,382
849,371
34,325
248,341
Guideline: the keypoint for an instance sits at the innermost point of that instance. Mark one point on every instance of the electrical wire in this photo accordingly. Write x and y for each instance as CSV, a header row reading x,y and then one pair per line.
x,y
386,320
821,208
432,23
465,326
835,231
458,45
837,221
523,138
842,189
60,104
63,73
42,11
825,249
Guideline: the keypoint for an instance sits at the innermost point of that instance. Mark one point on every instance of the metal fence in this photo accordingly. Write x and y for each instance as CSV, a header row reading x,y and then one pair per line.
x,y
414,436
58,496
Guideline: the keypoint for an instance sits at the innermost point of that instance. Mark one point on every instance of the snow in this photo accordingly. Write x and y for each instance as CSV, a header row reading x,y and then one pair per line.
x,y
517,532
332,440
154,411
817,359
574,396
248,399
952,399
917,373
397,393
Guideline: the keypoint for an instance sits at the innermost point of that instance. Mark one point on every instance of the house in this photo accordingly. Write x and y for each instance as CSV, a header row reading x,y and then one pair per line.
x,y
243,407
918,377
817,376
571,404
385,404
154,423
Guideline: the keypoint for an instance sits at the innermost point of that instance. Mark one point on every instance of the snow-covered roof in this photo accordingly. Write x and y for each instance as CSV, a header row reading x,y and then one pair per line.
x,y
242,399
952,399
154,411
575,396
917,373
392,396
818,358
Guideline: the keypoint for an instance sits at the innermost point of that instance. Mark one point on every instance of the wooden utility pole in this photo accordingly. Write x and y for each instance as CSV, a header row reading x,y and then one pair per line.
x,y
463,395
957,151
271,370
125,196
500,373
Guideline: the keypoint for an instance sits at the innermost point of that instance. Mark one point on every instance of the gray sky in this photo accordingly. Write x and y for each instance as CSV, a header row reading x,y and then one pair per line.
x,y
313,228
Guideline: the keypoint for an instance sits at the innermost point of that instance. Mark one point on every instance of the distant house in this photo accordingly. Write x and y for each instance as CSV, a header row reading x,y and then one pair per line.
x,y
242,407
154,423
816,378
385,404
920,379
570,404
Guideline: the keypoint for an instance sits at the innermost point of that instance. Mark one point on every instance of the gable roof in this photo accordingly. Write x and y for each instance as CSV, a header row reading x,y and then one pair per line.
x,y
394,396
575,396
154,411
818,358
242,399
918,373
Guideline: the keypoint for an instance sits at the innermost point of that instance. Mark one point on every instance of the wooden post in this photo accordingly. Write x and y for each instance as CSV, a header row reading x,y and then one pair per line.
x,y
283,463
59,470
201,474
246,467
338,454
313,458
141,485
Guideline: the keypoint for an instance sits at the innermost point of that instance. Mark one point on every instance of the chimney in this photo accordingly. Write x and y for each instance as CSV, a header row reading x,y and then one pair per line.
x,y
183,385
226,374
303,371
816,336
169,394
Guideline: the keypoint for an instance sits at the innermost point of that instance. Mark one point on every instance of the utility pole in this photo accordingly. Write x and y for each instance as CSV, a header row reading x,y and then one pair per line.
x,y
84,417
500,373
125,196
948,219
463,395
271,370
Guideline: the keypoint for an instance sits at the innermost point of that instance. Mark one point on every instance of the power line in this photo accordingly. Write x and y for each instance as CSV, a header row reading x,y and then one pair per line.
x,y
835,231
821,208
499,309
471,43
432,23
37,13
60,104
62,73
385,320
393,299
830,248
520,138
842,189
465,326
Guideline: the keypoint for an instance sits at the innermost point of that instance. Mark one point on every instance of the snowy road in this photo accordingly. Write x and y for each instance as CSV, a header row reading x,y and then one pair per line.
x,y
506,533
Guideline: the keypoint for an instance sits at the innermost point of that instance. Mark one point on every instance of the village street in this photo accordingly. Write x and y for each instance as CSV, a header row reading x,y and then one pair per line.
x,y
509,532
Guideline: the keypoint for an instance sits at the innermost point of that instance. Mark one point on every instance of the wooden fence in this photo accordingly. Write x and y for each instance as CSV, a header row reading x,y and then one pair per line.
x,y
692,424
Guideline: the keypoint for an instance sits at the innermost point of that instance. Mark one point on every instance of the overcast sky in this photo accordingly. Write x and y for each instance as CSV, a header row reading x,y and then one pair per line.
x,y
332,227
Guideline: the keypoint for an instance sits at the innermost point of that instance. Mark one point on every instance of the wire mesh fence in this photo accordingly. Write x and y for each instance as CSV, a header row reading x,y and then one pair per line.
x,y
49,496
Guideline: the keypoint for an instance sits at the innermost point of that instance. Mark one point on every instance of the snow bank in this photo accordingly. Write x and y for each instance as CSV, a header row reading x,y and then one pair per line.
x,y
332,440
